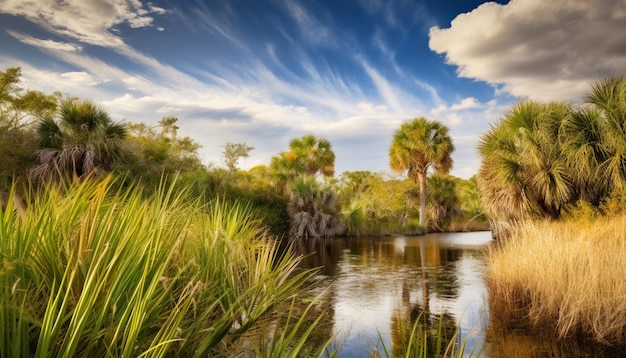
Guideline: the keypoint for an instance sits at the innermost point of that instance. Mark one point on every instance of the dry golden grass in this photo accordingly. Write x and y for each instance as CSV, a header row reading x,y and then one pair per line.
x,y
569,277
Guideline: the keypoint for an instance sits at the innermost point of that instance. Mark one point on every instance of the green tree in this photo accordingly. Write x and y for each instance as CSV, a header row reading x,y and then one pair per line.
x,y
313,210
82,140
443,203
159,149
608,97
523,172
417,146
307,155
233,152
284,169
315,153
17,139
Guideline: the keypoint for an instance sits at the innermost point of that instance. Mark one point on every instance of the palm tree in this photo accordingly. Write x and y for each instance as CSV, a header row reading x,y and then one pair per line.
x,y
316,154
80,141
581,138
417,146
608,97
523,171
284,169
313,210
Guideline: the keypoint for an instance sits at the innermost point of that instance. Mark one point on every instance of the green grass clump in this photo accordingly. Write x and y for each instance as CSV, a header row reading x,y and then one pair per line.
x,y
89,271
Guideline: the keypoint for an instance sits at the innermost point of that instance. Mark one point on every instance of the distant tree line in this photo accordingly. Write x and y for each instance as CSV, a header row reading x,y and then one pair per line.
x,y
46,139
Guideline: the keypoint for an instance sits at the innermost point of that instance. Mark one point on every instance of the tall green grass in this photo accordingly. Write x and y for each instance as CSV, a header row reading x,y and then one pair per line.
x,y
91,271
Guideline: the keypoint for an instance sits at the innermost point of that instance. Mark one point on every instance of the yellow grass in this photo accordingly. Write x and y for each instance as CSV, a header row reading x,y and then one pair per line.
x,y
568,276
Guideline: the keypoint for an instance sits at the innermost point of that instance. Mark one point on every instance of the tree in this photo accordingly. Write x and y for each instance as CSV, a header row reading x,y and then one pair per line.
x,y
313,210
284,169
232,153
417,146
608,97
307,155
443,202
315,153
80,141
155,152
17,110
523,173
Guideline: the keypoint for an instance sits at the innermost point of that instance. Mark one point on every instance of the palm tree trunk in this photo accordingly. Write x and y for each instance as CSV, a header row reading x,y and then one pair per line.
x,y
422,180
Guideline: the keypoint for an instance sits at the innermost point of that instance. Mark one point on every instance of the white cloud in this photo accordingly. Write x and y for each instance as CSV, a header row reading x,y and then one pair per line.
x,y
46,44
88,21
547,50
466,103
315,31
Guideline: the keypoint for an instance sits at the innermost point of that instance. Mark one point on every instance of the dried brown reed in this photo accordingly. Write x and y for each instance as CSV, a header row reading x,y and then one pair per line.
x,y
565,276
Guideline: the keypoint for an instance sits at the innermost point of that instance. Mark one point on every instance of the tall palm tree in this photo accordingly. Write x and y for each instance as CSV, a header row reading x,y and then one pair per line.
x,y
316,154
80,141
417,146
523,171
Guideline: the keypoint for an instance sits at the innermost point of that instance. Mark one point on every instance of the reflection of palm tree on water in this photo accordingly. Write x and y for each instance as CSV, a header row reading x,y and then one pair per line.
x,y
413,327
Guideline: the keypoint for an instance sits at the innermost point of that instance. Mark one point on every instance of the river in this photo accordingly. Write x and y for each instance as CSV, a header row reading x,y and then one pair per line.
x,y
372,283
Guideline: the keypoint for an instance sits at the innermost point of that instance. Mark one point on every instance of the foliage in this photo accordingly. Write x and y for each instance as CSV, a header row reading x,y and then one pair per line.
x,y
284,169
153,152
523,172
82,140
543,157
417,146
315,153
312,210
18,109
443,202
307,155
233,152
93,272
384,203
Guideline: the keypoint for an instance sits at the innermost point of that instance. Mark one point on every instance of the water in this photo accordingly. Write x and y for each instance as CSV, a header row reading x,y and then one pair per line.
x,y
375,283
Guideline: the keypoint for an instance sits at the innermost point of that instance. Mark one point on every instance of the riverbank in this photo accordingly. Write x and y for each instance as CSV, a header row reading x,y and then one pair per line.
x,y
566,276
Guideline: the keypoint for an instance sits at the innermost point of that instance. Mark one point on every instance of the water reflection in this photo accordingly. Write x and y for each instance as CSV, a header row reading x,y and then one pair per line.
x,y
380,284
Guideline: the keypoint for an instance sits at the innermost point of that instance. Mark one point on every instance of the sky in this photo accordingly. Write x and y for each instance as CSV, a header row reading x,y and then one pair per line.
x,y
262,72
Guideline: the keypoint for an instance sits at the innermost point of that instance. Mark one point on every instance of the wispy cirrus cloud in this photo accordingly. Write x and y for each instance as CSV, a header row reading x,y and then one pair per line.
x,y
46,44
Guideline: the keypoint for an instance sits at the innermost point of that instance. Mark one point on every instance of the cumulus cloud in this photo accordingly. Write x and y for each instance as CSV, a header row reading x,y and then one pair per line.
x,y
88,21
546,50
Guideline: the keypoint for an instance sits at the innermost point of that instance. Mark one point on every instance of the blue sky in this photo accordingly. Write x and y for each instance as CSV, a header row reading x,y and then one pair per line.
x,y
351,71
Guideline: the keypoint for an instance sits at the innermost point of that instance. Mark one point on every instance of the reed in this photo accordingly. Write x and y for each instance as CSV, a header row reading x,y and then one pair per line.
x,y
91,271
566,276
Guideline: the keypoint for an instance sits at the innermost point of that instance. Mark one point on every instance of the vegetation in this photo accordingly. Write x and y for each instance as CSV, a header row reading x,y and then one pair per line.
x,y
82,141
77,281
567,276
18,111
416,147
541,157
312,210
233,152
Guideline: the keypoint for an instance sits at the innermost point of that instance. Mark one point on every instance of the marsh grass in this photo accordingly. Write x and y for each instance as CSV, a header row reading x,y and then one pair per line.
x,y
89,271
567,277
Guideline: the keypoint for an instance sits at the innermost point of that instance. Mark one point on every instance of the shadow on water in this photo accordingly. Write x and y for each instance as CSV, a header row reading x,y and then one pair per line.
x,y
376,288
